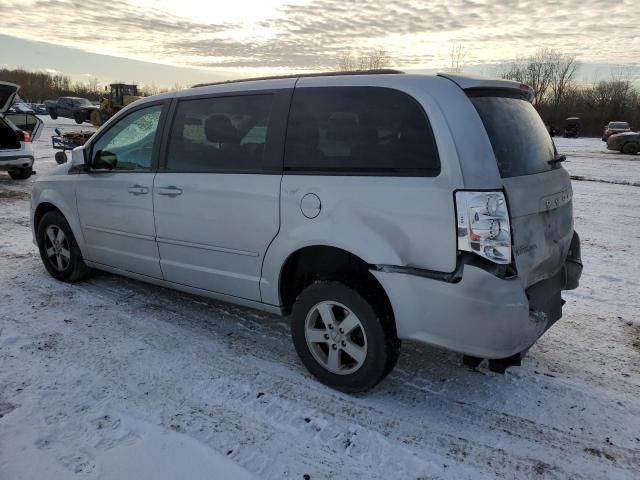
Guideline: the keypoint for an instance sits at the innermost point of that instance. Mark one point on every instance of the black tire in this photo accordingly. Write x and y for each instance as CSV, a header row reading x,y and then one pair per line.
x,y
75,270
630,148
78,117
60,158
382,344
20,174
53,114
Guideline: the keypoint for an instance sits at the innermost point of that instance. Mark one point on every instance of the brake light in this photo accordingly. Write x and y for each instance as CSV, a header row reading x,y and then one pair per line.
x,y
483,225
24,136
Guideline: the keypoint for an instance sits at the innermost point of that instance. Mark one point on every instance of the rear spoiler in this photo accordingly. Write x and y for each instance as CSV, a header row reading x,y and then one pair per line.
x,y
473,82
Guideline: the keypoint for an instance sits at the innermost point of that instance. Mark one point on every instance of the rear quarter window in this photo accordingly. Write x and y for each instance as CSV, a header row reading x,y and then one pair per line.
x,y
521,143
359,130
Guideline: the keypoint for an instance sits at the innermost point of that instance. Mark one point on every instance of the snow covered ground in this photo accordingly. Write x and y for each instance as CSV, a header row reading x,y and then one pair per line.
x,y
116,379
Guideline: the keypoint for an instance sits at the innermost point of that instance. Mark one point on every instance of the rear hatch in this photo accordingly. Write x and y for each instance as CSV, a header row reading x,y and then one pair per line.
x,y
7,95
538,189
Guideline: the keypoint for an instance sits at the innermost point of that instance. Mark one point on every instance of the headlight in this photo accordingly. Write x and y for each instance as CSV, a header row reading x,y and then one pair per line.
x,y
483,225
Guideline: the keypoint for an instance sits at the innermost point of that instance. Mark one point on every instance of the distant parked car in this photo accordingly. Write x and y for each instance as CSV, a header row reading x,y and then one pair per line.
x,y
71,107
40,108
23,107
627,142
17,131
615,127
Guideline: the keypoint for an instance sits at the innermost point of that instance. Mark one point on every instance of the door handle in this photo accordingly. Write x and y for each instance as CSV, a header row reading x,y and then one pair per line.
x,y
138,189
170,191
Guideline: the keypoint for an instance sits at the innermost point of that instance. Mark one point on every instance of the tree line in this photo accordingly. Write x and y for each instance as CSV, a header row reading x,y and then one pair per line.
x,y
550,73
557,95
552,76
39,86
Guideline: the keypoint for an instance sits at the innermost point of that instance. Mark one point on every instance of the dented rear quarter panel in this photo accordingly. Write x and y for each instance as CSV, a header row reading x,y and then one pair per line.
x,y
391,220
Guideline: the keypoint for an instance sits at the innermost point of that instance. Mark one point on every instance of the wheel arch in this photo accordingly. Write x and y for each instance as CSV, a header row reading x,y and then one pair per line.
x,y
310,263
47,200
41,210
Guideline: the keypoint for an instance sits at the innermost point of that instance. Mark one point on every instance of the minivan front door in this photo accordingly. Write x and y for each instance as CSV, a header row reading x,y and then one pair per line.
x,y
217,200
114,197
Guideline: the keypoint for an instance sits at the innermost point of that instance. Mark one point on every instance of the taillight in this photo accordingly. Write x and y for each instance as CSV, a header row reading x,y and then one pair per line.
x,y
24,136
483,225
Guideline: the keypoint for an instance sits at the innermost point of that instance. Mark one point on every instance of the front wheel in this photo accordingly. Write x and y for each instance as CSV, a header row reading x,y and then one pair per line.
x,y
53,114
59,250
630,148
21,174
340,337
78,117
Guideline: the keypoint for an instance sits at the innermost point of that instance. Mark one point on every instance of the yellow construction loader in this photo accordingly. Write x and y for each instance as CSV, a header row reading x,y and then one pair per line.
x,y
120,96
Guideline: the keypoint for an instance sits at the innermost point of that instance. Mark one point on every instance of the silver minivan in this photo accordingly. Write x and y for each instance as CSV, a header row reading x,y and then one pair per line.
x,y
369,208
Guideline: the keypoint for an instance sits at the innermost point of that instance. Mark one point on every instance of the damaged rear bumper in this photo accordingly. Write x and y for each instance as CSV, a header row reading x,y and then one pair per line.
x,y
479,314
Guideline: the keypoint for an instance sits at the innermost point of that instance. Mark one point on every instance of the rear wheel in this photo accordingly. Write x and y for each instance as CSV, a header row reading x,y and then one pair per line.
x,y
630,148
20,174
58,249
341,338
53,114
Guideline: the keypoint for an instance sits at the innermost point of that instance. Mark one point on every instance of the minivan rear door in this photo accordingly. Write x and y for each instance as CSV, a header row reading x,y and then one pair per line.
x,y
537,187
8,93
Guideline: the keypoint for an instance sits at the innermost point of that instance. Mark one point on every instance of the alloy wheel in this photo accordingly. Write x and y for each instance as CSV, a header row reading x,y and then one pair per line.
x,y
57,248
336,338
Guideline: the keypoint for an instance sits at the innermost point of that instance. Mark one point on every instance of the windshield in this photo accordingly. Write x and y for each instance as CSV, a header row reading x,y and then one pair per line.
x,y
521,143
619,125
81,101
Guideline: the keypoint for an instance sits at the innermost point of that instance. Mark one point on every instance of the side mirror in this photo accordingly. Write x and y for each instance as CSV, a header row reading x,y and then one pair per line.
x,y
78,159
105,160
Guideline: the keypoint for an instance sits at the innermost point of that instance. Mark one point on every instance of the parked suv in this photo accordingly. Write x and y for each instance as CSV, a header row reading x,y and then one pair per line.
x,y
17,130
370,208
613,128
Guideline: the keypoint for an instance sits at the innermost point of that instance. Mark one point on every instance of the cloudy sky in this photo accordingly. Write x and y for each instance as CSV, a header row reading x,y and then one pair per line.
x,y
271,36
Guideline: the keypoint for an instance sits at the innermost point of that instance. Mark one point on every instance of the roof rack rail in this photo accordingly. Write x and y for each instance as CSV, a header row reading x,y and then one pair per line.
x,y
382,71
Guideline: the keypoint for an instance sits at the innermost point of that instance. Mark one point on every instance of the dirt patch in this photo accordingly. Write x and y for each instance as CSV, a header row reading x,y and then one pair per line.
x,y
14,194
596,452
582,178
634,334
6,407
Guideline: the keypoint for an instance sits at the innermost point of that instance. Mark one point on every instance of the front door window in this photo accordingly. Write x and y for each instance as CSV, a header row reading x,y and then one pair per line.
x,y
128,145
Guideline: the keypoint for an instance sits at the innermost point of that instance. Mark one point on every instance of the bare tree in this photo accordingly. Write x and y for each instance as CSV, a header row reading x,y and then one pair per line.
x,y
457,55
536,70
564,68
373,60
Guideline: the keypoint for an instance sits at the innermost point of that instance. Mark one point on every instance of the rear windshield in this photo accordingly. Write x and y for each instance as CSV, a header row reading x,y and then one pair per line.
x,y
619,125
520,140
